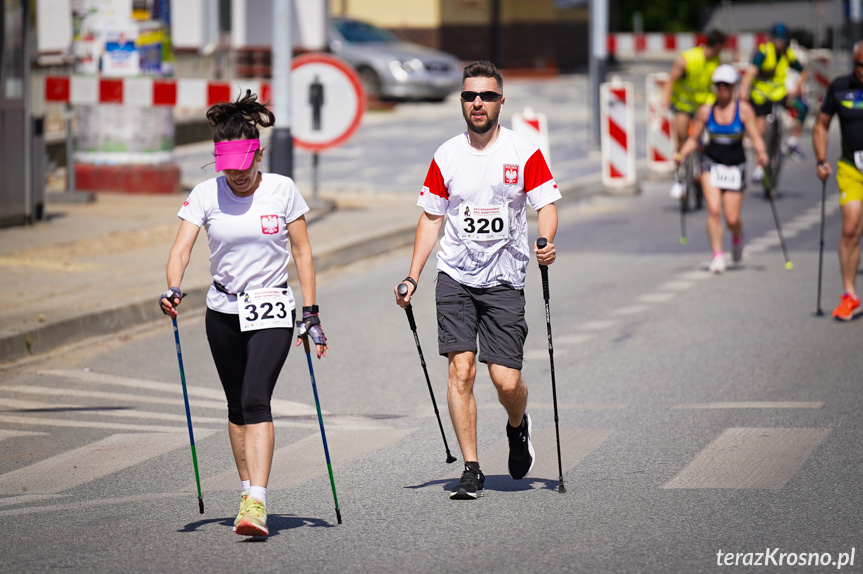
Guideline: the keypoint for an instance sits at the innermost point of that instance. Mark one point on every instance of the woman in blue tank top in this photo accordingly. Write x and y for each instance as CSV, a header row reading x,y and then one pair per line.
x,y
723,161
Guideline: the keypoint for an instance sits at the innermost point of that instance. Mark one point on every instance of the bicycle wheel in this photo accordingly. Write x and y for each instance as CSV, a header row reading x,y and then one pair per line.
x,y
772,141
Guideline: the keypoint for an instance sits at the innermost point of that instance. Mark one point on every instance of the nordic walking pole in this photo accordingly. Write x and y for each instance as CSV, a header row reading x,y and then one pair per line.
x,y
771,195
321,422
188,414
684,202
543,269
403,290
818,310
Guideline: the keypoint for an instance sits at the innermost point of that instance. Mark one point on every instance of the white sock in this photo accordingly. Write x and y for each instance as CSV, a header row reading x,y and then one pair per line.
x,y
245,485
259,493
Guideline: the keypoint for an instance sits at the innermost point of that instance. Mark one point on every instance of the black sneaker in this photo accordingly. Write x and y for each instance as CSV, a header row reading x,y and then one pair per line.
x,y
471,483
521,455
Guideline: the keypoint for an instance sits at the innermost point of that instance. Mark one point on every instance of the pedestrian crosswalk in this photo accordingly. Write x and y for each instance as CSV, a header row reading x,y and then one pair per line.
x,y
142,427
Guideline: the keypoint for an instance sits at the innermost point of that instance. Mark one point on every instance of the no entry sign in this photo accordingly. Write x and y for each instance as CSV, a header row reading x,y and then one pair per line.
x,y
328,101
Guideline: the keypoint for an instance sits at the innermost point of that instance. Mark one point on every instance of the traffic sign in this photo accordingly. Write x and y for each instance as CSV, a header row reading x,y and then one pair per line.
x,y
327,102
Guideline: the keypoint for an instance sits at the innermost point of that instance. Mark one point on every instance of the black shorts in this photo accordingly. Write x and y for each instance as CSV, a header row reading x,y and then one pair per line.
x,y
248,364
495,314
766,108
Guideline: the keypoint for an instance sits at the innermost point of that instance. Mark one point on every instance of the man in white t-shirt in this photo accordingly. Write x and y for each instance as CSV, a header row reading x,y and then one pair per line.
x,y
478,186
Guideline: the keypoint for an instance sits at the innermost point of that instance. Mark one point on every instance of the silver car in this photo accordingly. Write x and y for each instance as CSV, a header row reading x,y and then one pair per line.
x,y
391,68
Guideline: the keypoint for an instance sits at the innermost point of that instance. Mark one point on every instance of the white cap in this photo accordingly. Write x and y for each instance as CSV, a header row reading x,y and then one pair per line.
x,y
725,73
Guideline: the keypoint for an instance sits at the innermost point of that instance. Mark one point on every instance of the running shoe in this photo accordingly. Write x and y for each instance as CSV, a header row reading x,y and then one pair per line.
x,y
471,483
717,266
847,308
737,249
791,148
757,174
254,520
244,496
521,455
677,191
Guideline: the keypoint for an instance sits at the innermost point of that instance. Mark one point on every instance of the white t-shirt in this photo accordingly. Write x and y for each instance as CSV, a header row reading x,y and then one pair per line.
x,y
248,236
484,194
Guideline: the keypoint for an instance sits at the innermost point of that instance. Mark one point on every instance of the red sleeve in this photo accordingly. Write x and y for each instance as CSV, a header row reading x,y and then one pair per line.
x,y
536,172
434,182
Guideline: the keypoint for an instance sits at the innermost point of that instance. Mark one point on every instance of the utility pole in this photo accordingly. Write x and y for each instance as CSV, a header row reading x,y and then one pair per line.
x,y
282,143
598,57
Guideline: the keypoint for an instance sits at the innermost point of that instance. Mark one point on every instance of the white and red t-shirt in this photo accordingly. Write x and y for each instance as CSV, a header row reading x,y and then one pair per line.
x,y
248,236
484,194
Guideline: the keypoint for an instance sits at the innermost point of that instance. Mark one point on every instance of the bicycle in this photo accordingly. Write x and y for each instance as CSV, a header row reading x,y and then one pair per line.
x,y
773,133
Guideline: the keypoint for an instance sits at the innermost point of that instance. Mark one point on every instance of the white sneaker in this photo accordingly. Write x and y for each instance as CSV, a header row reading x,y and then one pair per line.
x,y
757,174
737,250
717,266
677,191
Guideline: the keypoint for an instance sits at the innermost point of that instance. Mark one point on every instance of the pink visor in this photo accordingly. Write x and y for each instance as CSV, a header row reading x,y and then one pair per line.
x,y
237,154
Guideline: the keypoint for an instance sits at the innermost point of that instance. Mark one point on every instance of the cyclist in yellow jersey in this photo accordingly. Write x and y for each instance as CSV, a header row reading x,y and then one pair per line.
x,y
689,86
763,85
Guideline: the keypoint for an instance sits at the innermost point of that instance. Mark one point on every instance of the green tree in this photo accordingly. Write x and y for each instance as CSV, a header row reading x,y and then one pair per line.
x,y
661,15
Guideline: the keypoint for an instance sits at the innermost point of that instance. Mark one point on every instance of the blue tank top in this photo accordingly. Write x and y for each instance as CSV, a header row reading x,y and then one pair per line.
x,y
726,140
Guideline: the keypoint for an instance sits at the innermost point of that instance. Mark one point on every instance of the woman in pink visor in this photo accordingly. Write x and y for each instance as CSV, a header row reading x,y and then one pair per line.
x,y
251,219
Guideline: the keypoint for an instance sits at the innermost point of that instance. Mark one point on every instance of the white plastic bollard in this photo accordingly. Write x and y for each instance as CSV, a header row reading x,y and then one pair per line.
x,y
617,134
661,138
535,127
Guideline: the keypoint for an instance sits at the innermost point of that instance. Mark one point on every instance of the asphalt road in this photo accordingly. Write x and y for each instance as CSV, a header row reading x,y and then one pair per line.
x,y
699,415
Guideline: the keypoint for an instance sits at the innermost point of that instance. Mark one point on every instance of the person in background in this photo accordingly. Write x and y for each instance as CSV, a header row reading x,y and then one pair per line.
x,y
763,85
689,87
844,98
723,162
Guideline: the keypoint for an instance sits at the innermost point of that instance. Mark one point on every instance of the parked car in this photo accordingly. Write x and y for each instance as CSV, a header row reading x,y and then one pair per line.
x,y
391,68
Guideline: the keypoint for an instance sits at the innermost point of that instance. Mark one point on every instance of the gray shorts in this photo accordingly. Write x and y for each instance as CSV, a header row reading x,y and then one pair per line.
x,y
495,314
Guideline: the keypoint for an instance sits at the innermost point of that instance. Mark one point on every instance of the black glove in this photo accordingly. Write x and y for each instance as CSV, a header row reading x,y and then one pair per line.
x,y
311,325
174,295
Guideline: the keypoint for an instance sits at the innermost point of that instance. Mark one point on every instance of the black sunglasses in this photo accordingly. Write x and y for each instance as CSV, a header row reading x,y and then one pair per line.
x,y
858,64
484,96
722,85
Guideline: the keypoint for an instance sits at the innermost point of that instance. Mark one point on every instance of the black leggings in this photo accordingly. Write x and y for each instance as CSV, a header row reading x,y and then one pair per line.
x,y
248,364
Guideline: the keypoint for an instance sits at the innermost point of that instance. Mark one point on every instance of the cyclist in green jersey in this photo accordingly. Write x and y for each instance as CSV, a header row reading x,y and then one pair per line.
x,y
689,86
763,85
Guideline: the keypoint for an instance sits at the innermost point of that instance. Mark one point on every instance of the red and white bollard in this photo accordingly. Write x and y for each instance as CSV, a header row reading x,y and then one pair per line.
x,y
617,134
661,138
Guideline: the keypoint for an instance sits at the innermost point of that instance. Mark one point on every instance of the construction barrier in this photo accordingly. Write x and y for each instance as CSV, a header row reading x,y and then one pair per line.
x,y
661,137
617,134
667,46
820,74
534,126
146,91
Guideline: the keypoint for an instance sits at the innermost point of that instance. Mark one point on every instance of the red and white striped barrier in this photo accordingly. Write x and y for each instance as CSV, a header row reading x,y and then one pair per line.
x,y
145,91
661,138
628,45
617,136
820,74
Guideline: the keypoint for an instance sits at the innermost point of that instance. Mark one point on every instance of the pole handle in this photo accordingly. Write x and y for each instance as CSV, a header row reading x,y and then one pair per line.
x,y
306,344
403,290
543,269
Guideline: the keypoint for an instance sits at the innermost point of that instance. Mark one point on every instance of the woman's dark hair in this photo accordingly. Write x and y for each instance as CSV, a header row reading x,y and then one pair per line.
x,y
239,120
482,69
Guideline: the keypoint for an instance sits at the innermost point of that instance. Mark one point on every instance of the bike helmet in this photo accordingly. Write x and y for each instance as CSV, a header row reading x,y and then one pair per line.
x,y
779,31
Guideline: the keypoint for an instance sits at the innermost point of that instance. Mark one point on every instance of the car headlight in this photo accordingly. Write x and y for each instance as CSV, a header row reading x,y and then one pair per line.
x,y
401,69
